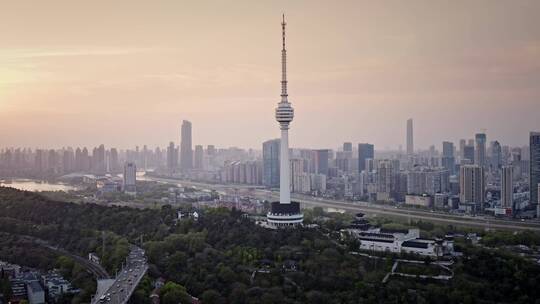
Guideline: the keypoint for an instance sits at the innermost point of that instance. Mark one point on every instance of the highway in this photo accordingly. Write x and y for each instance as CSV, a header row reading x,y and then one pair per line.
x,y
126,280
365,207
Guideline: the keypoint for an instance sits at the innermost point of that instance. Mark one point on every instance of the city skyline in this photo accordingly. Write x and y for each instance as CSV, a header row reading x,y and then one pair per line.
x,y
380,60
146,156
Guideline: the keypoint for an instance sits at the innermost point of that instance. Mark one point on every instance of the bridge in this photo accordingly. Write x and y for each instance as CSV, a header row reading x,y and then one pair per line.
x,y
120,289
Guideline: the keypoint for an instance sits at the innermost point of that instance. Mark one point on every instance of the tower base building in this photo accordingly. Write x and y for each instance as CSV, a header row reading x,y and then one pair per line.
x,y
284,215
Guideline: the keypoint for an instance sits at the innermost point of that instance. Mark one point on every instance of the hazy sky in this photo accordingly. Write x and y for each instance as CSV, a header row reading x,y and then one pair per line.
x,y
126,73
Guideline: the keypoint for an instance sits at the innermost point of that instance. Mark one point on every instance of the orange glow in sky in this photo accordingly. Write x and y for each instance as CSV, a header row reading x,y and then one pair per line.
x,y
126,73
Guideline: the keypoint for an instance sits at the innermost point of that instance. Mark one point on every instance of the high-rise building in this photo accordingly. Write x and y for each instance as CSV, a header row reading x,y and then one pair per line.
x,y
99,164
472,185
52,162
385,180
320,158
507,187
538,203
462,144
410,139
85,160
468,153
242,172
448,149
186,151
496,156
271,164
416,181
297,169
365,151
68,161
284,213
130,178
172,158
211,150
199,157
344,161
480,150
347,147
534,166
113,161
448,160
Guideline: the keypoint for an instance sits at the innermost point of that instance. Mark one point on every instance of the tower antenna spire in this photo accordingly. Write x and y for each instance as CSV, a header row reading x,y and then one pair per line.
x,y
283,64
283,24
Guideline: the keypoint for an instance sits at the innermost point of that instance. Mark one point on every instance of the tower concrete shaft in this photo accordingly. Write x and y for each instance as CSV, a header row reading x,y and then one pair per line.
x,y
284,116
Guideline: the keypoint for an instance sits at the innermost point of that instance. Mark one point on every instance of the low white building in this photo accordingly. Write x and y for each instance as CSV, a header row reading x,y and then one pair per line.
x,y
383,240
422,247
418,200
400,241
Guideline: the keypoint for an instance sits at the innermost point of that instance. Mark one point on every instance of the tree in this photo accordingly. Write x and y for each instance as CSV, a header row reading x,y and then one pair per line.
x,y
211,296
173,293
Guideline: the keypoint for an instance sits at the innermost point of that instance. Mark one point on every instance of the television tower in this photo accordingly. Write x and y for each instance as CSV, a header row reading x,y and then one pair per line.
x,y
284,116
284,213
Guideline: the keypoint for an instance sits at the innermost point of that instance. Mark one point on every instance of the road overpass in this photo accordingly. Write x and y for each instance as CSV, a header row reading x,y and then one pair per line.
x,y
120,289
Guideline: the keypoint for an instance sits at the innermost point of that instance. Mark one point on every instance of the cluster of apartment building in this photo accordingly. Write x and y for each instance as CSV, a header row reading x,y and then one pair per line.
x,y
33,286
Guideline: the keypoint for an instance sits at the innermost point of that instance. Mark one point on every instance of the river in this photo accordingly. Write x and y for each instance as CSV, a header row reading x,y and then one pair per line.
x,y
36,185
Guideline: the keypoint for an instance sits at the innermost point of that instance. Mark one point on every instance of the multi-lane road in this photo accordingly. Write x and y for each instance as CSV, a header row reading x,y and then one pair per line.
x,y
366,207
126,280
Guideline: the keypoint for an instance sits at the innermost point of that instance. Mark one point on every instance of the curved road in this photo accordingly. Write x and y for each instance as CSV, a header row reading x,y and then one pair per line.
x,y
97,270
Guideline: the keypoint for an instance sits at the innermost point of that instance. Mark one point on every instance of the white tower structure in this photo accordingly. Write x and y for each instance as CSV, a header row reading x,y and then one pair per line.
x,y
284,116
284,212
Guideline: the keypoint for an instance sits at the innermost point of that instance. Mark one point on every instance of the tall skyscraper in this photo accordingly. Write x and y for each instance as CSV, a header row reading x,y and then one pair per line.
x,y
385,179
496,156
462,144
448,149
534,166
468,153
99,165
172,158
199,157
480,150
68,161
78,159
320,158
472,185
284,212
365,151
130,178
186,151
114,165
448,160
271,164
507,187
347,147
410,139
